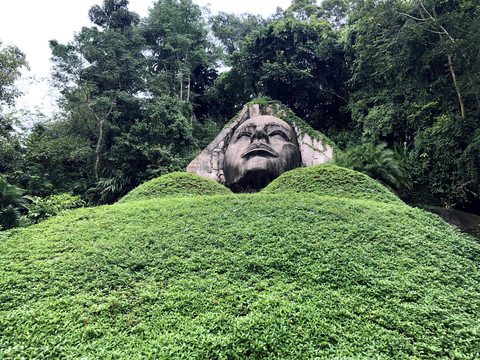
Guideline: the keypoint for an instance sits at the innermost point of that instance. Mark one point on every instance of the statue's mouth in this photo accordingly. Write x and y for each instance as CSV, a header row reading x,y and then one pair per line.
x,y
259,150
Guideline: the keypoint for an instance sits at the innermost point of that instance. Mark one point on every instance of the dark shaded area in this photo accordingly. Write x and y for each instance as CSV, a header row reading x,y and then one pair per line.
x,y
466,222
253,181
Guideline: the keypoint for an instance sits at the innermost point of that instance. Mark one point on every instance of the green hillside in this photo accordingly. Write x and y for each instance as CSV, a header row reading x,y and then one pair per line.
x,y
178,184
331,180
278,276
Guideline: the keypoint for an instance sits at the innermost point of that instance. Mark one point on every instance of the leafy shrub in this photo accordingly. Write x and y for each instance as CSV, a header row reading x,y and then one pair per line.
x,y
122,181
378,162
331,180
12,201
43,208
177,184
168,162
109,190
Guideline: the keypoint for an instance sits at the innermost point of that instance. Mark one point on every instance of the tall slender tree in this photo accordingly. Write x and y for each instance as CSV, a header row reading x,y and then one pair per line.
x,y
102,70
176,36
12,60
300,63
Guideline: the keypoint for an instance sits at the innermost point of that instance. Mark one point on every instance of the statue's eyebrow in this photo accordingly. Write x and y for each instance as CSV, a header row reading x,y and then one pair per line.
x,y
247,128
243,129
268,127
274,125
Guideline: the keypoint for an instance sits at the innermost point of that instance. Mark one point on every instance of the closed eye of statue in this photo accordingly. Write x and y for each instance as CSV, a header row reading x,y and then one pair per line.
x,y
278,133
244,134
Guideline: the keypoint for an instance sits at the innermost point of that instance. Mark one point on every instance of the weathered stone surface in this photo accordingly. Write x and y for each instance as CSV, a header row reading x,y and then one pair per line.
x,y
261,149
231,158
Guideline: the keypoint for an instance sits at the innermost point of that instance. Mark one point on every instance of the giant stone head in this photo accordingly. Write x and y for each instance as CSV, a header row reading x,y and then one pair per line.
x,y
257,146
259,150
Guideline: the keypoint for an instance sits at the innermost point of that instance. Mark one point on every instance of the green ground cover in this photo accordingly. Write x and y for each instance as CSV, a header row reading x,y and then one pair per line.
x,y
176,184
277,276
331,180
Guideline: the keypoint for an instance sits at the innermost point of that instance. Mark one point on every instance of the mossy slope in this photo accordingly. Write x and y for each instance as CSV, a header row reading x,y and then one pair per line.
x,y
280,276
331,180
178,184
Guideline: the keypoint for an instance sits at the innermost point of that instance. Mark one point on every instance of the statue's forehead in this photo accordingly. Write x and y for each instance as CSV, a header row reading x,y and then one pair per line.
x,y
265,120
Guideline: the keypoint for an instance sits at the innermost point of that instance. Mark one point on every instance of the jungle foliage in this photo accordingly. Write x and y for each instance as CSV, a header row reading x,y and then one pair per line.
x,y
405,74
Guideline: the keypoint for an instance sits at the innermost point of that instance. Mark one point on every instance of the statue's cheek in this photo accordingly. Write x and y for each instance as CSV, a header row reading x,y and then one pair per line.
x,y
291,156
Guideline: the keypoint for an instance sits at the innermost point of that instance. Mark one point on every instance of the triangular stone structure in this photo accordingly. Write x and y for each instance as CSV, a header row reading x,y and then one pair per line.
x,y
315,148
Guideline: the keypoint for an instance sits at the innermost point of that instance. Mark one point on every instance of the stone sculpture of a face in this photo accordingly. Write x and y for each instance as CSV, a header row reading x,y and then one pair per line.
x,y
260,149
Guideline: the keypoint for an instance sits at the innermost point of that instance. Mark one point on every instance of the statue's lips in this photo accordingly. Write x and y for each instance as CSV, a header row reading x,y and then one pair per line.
x,y
260,150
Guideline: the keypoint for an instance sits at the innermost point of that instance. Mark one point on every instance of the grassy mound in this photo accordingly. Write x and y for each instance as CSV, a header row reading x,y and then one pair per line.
x,y
331,180
280,276
176,184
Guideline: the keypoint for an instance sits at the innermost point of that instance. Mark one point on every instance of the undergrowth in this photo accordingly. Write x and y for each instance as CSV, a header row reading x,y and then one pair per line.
x,y
282,276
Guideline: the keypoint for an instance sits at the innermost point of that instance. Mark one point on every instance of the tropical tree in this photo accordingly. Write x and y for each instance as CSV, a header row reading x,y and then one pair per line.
x,y
11,147
231,29
301,64
415,80
233,88
12,60
102,71
135,153
456,23
303,10
180,54
57,158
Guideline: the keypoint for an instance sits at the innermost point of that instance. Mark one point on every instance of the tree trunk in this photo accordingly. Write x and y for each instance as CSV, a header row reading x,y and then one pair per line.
x,y
181,76
98,148
440,30
457,89
181,87
189,79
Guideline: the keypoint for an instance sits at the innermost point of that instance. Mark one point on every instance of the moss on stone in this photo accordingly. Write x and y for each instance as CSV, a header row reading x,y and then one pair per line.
x,y
286,114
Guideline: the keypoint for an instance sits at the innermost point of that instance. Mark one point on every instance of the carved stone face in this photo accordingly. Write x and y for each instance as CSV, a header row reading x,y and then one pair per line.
x,y
260,149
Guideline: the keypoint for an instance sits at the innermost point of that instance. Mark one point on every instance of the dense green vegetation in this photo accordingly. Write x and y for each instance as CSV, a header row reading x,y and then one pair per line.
x,y
323,263
330,180
279,276
12,200
177,184
141,97
380,163
42,208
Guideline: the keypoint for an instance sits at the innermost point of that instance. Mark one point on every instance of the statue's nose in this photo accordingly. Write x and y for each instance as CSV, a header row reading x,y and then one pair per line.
x,y
259,134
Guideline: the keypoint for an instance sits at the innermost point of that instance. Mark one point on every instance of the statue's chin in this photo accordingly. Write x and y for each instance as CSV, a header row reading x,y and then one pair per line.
x,y
253,181
253,173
